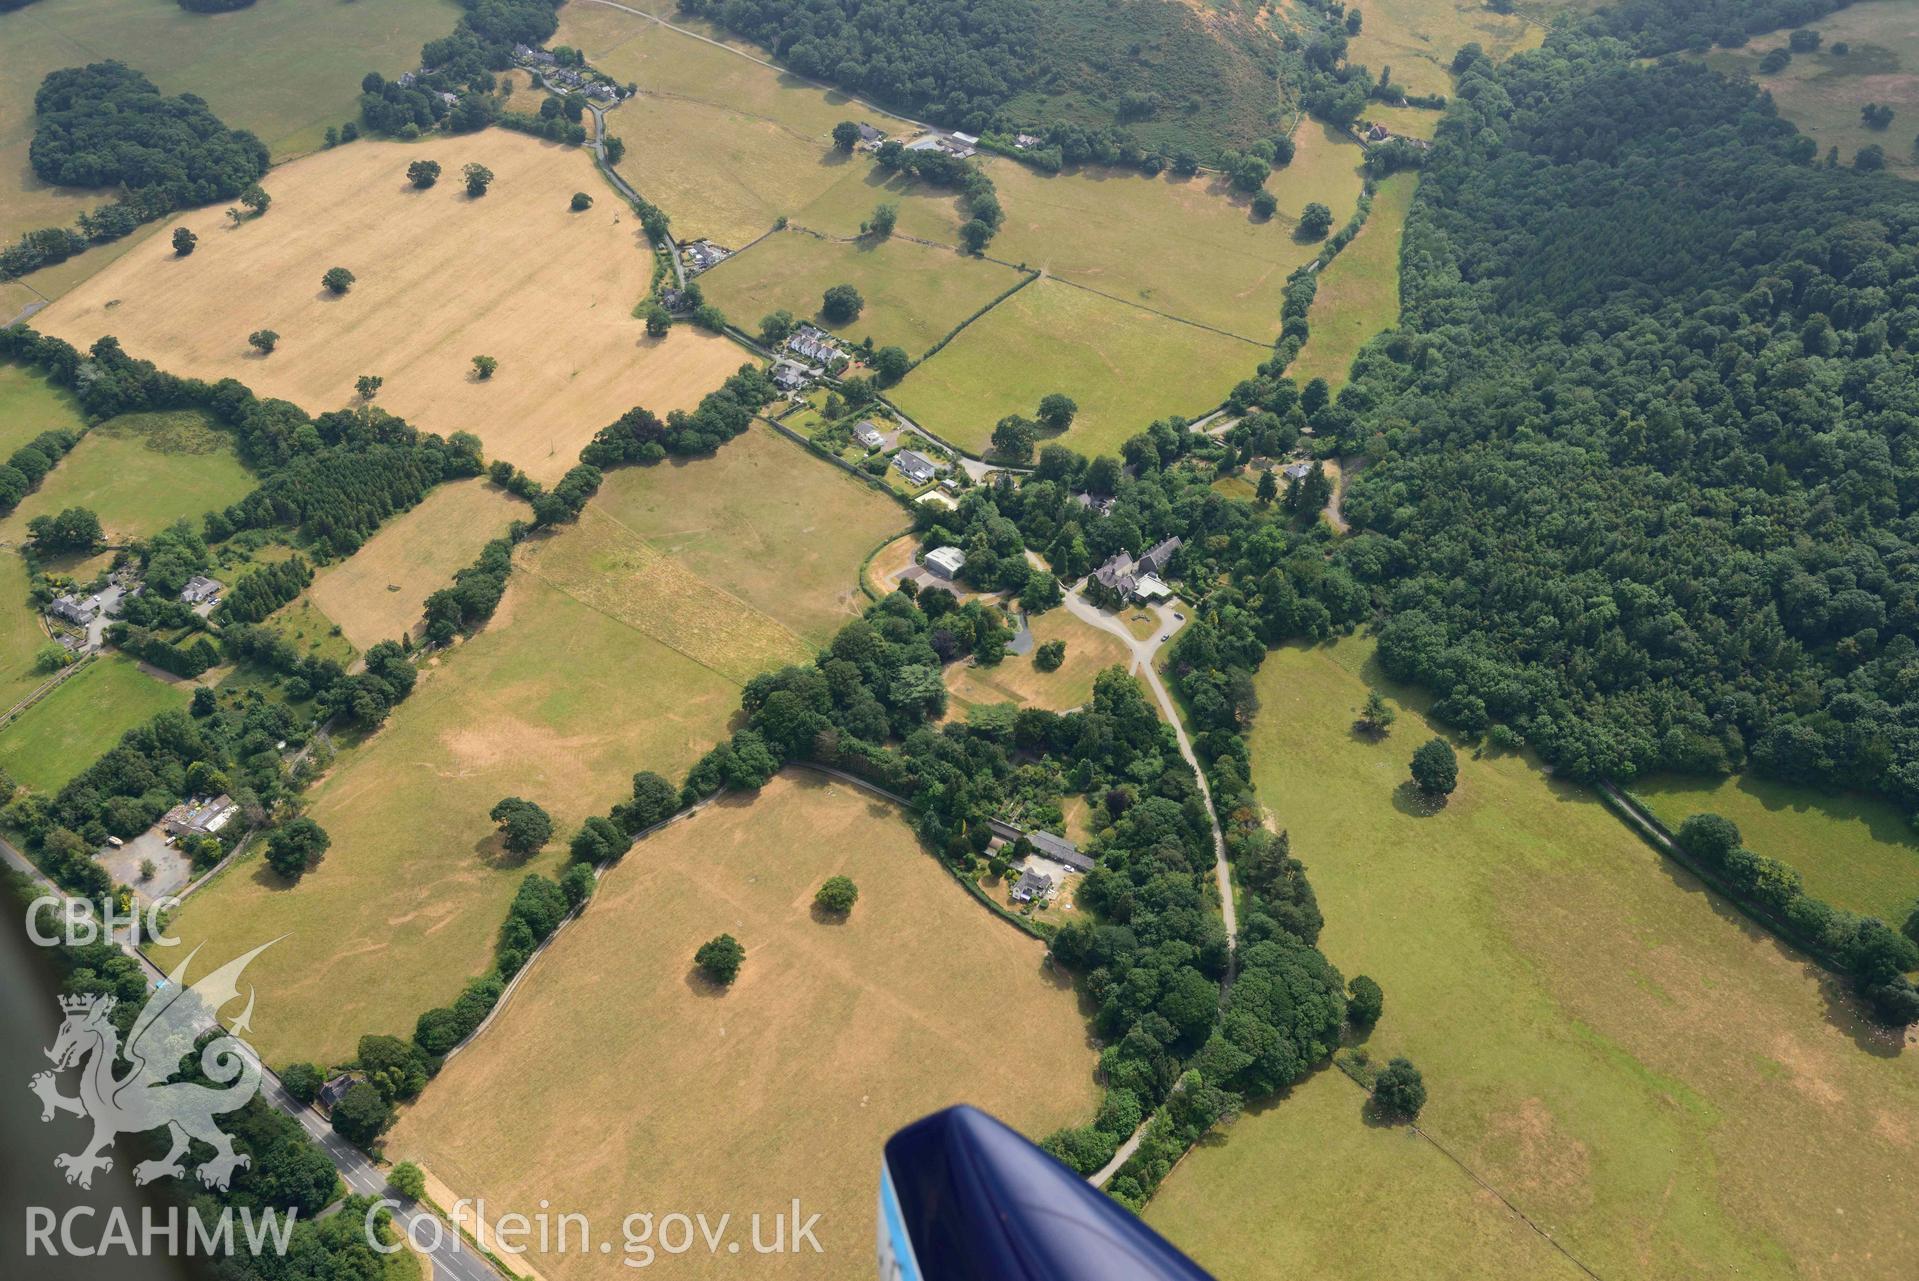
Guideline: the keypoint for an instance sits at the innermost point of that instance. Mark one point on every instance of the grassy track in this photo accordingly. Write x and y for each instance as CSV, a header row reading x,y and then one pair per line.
x,y
1124,366
72,727
1652,1079
915,295
834,1034
1358,294
1853,851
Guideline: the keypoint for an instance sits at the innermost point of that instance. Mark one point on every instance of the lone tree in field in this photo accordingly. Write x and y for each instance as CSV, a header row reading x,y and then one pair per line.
x,y
841,304
423,173
719,959
77,529
837,895
263,341
524,827
484,366
297,847
1399,1092
367,386
184,241
846,136
256,199
337,280
1436,768
1265,205
1057,410
1377,717
478,179
881,224
1315,221
1366,1003
581,201
1048,657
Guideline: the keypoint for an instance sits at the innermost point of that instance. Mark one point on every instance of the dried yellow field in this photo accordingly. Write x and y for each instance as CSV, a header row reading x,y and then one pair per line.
x,y
1418,38
378,593
441,278
618,1080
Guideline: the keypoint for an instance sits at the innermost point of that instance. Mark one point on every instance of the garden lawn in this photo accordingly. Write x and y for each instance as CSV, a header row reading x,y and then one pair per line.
x,y
1655,1081
915,294
77,723
1855,852
1358,295
1123,365
1089,651
836,1033
285,69
140,473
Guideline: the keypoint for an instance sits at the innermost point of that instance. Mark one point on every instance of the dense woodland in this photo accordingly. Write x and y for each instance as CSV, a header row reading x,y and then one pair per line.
x,y
1159,73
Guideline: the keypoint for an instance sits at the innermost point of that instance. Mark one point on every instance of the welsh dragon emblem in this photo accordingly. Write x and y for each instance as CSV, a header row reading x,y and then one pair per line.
x,y
146,1098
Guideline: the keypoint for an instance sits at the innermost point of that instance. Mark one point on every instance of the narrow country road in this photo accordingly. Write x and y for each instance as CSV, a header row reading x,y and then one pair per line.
x,y
620,184
1143,652
452,1258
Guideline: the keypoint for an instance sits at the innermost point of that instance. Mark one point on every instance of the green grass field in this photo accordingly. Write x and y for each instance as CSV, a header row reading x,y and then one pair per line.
x,y
1189,247
1418,38
1655,1081
140,473
915,295
795,559
74,726
285,69
1822,92
1358,294
1124,366
1853,851
29,405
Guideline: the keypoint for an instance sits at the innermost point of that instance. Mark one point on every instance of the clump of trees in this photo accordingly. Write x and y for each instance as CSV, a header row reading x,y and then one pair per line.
x,y
841,305
837,894
719,958
1048,657
525,828
263,341
296,847
1399,1092
1315,220
184,242
1435,768
76,529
